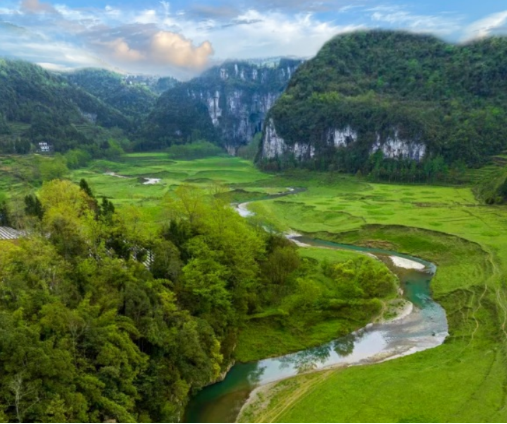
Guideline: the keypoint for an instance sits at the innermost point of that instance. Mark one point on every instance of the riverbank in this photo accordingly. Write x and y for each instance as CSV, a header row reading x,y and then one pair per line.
x,y
260,396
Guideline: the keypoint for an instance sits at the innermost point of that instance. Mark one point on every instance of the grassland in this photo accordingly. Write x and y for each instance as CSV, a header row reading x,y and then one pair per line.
x,y
465,379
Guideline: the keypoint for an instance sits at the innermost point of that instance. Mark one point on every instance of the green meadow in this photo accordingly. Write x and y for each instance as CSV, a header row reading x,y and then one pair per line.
x,y
464,380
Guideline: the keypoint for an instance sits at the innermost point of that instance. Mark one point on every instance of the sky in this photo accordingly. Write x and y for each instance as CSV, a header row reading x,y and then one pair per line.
x,y
181,38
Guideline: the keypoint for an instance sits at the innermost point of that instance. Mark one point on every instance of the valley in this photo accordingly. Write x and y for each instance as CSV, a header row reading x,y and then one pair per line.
x,y
269,240
446,225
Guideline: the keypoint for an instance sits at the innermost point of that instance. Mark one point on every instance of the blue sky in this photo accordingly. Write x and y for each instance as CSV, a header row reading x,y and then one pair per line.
x,y
181,38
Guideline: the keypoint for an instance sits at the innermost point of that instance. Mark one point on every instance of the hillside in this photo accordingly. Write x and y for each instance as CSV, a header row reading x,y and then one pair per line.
x,y
227,104
38,106
133,95
406,96
129,97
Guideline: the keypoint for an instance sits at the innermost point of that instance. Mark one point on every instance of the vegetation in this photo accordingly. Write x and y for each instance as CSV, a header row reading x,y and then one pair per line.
x,y
468,249
333,297
106,315
132,99
196,150
239,92
464,239
380,83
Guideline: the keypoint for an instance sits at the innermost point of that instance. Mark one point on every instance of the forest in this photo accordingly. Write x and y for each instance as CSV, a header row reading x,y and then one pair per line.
x,y
451,98
107,317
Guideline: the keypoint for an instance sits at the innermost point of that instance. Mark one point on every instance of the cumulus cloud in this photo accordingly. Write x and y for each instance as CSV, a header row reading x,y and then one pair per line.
x,y
120,50
36,6
144,44
174,49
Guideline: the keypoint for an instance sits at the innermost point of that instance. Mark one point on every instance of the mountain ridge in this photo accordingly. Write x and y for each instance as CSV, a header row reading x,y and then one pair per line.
x,y
407,96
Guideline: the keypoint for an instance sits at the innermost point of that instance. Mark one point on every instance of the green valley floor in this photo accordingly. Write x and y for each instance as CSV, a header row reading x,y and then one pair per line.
x,y
464,380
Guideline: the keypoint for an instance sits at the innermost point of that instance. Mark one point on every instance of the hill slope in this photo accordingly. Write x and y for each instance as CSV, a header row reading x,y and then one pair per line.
x,y
406,96
36,105
131,98
227,104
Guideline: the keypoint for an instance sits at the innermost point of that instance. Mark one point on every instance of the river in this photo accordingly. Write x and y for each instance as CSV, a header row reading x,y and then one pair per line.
x,y
423,328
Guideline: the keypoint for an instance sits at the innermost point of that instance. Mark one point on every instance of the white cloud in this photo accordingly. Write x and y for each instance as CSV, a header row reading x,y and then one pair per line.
x,y
273,34
54,66
401,18
173,49
147,17
36,6
159,39
111,11
486,26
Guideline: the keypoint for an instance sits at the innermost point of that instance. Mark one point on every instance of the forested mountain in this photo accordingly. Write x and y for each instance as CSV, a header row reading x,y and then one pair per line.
x,y
126,95
377,95
39,106
226,104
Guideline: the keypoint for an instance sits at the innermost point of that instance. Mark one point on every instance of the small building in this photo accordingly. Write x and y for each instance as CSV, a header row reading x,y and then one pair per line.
x,y
44,147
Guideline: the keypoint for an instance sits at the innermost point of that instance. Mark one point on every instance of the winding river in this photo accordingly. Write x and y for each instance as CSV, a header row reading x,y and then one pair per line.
x,y
422,327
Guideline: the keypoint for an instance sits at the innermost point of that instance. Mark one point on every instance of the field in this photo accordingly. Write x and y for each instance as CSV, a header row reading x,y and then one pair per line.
x,y
465,379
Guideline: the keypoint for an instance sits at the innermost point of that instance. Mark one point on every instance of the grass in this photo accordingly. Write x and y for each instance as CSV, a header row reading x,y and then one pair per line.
x,y
266,337
465,379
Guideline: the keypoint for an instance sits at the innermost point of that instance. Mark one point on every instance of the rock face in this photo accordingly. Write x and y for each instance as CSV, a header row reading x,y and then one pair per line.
x,y
392,146
402,95
397,148
274,146
238,95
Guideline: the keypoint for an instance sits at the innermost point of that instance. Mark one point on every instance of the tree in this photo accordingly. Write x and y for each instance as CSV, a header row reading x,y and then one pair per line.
x,y
83,185
33,206
53,169
5,219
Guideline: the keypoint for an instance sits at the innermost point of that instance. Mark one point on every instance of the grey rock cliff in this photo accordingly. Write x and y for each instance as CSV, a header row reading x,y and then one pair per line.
x,y
238,96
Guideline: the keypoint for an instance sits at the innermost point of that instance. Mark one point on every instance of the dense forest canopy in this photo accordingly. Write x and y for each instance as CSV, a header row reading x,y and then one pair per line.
x,y
39,106
377,86
132,98
105,316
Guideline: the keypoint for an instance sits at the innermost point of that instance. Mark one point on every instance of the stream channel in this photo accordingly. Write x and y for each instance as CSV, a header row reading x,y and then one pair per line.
x,y
423,328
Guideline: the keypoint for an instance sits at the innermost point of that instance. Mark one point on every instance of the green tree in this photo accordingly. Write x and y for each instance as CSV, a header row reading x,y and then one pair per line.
x,y
53,169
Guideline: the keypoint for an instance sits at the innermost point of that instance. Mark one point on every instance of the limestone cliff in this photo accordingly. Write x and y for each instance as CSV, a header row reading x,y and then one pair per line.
x,y
403,95
237,95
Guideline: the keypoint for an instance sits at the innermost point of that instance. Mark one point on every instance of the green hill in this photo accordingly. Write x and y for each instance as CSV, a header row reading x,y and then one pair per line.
x,y
130,97
412,98
38,106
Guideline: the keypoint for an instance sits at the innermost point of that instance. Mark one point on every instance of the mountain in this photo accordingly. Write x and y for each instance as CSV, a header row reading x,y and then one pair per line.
x,y
371,96
229,104
128,96
39,106
156,85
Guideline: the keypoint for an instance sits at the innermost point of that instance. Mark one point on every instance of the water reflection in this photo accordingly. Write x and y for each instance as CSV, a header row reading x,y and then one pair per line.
x,y
424,328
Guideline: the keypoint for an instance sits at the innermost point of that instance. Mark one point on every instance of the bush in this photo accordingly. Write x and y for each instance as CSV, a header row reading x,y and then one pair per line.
x,y
196,150
77,158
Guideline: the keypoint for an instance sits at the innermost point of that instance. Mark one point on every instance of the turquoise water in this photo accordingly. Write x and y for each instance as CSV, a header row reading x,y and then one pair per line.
x,y
424,328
